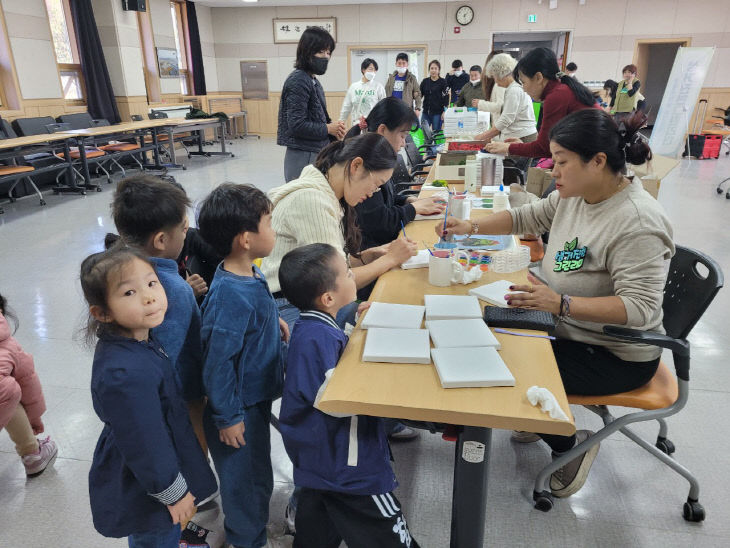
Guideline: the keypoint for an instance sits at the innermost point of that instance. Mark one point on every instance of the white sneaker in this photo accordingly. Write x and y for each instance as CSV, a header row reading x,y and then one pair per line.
x,y
37,462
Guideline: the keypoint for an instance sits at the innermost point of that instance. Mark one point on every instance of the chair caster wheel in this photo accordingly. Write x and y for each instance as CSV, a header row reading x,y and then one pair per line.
x,y
543,501
233,155
693,511
184,167
719,190
190,156
56,192
664,445
83,193
108,181
12,200
43,202
98,189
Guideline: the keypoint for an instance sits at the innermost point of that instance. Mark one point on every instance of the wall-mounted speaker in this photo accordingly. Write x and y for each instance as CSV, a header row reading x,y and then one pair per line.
x,y
134,5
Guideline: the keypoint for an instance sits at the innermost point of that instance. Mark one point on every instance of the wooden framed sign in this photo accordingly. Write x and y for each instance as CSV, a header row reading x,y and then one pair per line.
x,y
289,31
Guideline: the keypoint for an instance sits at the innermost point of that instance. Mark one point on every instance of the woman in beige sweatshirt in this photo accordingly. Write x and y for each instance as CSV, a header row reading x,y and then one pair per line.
x,y
318,207
604,264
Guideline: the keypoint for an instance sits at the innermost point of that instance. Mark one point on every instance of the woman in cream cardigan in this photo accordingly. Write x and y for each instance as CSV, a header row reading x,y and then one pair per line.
x,y
319,207
491,90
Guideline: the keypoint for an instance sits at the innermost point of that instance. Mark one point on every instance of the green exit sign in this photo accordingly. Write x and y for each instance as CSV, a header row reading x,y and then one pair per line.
x,y
532,18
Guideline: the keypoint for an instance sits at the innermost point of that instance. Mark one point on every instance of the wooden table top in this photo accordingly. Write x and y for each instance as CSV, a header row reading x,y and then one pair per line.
x,y
124,127
413,391
29,140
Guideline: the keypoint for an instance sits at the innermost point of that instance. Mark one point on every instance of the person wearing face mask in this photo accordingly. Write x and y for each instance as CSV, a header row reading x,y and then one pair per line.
x,y
363,94
456,79
402,84
473,90
435,95
305,127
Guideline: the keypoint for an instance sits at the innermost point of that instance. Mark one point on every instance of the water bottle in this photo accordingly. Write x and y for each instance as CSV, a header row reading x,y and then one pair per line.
x,y
460,126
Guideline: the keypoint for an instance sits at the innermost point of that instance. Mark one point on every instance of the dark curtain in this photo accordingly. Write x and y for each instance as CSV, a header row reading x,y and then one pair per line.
x,y
99,93
196,51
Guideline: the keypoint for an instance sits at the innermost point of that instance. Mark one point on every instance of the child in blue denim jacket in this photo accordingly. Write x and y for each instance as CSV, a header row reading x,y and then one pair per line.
x,y
243,363
151,214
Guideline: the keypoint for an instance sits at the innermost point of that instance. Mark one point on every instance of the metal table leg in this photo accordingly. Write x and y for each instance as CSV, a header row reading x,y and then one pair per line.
x,y
85,166
469,500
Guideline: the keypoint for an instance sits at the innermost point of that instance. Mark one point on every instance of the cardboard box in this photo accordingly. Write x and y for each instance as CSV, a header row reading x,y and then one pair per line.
x,y
538,180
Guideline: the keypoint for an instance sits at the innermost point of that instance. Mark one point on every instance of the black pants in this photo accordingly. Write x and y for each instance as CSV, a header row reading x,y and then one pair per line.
x,y
325,518
590,370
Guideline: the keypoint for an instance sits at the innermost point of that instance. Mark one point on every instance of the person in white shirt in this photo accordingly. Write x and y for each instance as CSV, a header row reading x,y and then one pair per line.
x,y
363,94
517,119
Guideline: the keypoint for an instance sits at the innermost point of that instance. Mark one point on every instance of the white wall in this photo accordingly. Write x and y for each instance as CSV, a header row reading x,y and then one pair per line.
x,y
603,33
30,41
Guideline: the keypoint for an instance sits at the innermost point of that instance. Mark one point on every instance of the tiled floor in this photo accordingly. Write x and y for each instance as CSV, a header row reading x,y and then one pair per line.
x,y
630,499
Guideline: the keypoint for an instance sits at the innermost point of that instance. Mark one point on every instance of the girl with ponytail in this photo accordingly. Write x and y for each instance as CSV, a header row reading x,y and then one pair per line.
x,y
604,265
318,207
381,216
560,94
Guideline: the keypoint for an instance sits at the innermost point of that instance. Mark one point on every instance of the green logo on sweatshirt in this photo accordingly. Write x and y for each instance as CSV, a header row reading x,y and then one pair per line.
x,y
571,257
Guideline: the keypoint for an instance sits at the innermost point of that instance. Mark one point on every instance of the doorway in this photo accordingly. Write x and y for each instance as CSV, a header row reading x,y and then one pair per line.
x,y
654,60
519,43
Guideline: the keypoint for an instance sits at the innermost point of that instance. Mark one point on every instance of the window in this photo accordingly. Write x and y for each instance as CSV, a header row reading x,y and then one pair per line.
x,y
179,26
67,54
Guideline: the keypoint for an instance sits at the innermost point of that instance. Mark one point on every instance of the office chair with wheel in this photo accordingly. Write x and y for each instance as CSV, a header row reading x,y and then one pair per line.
x,y
687,294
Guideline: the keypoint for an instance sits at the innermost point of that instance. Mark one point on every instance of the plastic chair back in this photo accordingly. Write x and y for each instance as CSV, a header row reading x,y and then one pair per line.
x,y
688,292
32,126
7,129
56,128
81,120
414,157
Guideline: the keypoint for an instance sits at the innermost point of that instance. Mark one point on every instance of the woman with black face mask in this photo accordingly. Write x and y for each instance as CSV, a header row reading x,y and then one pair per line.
x,y
305,127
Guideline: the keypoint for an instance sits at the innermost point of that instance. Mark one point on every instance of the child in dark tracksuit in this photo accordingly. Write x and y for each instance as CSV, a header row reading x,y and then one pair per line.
x,y
342,463
243,366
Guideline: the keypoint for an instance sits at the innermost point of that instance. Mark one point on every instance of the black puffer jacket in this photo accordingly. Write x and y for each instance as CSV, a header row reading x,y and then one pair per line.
x,y
303,114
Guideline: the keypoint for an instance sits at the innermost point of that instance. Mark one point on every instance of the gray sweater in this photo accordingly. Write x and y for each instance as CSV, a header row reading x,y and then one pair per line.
x,y
615,247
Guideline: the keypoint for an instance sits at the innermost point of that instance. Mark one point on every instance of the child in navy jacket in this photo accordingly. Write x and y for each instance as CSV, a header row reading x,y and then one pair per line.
x,y
341,463
151,214
148,469
243,360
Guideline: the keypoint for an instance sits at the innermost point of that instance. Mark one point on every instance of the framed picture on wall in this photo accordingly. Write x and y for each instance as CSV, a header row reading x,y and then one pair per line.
x,y
168,63
289,31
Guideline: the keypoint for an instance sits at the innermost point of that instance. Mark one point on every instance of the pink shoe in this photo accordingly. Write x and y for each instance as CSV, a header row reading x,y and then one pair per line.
x,y
36,462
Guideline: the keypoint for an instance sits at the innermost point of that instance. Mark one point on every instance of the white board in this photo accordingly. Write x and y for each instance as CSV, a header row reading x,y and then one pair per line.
x,y
493,293
461,333
679,100
451,307
471,367
405,316
396,346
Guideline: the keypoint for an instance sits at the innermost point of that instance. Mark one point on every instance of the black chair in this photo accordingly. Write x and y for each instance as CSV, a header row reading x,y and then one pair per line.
x,y
136,117
32,126
93,154
80,120
687,294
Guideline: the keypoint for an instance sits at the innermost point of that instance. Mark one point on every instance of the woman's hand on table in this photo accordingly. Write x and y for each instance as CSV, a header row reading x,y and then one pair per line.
x,y
402,249
482,136
429,206
535,295
498,148
453,226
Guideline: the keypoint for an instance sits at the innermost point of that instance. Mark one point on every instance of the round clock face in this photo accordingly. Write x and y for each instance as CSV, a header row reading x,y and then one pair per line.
x,y
464,15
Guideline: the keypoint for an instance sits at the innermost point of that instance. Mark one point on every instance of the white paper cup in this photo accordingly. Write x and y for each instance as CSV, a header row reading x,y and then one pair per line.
x,y
461,209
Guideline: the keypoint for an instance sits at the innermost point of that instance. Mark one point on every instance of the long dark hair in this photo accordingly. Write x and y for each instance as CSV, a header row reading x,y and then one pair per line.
x,y
9,315
487,81
612,87
590,131
543,60
390,111
313,40
377,154
95,272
